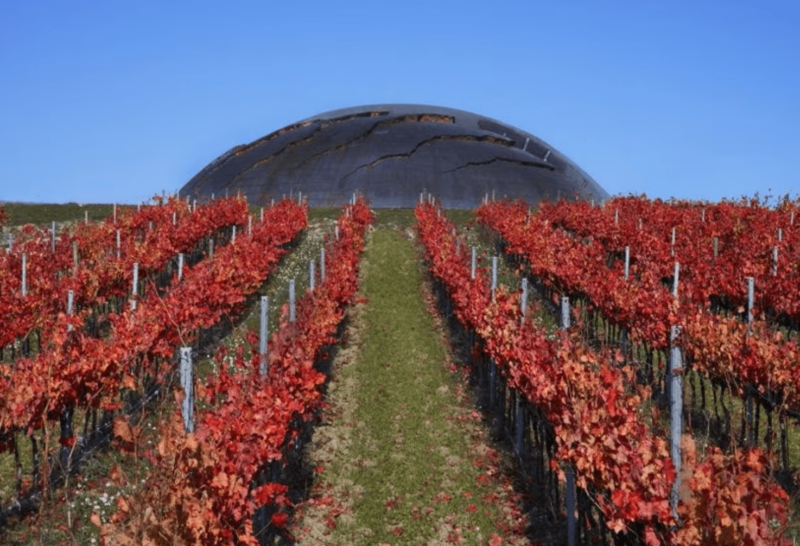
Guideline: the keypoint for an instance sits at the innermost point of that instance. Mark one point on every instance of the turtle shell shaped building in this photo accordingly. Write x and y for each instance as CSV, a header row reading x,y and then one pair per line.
x,y
391,153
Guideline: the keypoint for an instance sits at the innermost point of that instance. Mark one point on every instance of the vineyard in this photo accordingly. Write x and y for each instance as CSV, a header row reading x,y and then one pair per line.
x,y
633,362
596,410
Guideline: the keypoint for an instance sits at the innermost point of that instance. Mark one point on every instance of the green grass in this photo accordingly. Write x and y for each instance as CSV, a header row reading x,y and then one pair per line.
x,y
44,213
397,218
323,213
407,468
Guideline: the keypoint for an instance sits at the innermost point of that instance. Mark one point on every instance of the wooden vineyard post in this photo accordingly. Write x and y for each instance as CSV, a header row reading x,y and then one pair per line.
x,y
774,261
566,322
624,333
135,287
568,472
311,275
472,270
291,300
751,286
118,245
672,244
675,386
211,249
187,408
519,411
53,237
180,266
322,265
75,254
492,367
494,276
627,261
263,332
24,274
67,412
70,305
10,242
233,235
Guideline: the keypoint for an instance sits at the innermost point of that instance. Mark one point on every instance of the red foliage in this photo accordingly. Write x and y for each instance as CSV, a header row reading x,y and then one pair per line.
x,y
204,479
576,262
589,399
76,370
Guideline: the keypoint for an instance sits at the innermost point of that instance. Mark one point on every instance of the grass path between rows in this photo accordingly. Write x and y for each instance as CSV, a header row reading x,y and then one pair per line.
x,y
402,457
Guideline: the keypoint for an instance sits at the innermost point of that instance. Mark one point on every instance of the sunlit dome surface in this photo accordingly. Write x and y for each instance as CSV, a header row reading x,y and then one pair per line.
x,y
391,153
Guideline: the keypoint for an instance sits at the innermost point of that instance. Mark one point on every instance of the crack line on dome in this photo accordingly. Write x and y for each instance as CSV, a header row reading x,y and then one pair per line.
x,y
269,158
503,159
295,126
411,118
241,149
323,124
257,163
465,138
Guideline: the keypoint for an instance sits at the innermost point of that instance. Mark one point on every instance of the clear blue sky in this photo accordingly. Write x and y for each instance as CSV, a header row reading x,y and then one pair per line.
x,y
107,101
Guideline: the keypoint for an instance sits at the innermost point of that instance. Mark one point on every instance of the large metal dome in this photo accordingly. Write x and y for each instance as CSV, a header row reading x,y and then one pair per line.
x,y
392,152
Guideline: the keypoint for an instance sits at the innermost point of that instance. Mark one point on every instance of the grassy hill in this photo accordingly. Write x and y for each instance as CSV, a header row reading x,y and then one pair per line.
x,y
44,213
